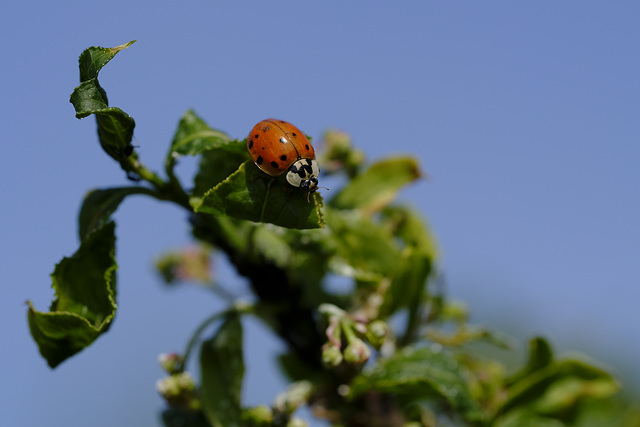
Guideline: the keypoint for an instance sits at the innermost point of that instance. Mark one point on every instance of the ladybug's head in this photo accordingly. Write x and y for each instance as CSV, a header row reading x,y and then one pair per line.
x,y
304,174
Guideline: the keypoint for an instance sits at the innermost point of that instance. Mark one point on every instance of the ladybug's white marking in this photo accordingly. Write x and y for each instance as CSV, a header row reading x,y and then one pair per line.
x,y
304,174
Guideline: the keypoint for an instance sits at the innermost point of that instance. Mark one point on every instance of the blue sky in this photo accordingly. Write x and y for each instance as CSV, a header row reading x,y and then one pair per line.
x,y
524,116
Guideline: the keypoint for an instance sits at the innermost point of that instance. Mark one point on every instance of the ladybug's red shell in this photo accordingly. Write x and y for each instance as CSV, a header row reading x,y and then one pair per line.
x,y
275,145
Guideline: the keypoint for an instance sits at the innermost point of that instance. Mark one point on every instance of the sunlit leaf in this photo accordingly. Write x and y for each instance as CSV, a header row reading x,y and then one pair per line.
x,y
115,127
194,137
377,186
220,154
252,195
421,372
85,287
94,58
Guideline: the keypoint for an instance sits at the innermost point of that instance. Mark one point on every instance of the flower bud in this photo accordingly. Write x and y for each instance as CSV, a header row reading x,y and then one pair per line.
x,y
297,422
192,265
357,352
170,362
178,389
337,143
258,415
296,395
331,355
377,331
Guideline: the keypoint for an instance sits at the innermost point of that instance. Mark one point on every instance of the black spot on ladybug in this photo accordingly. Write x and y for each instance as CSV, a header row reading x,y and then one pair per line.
x,y
293,133
283,140
282,121
250,144
283,158
306,146
256,135
259,160
275,165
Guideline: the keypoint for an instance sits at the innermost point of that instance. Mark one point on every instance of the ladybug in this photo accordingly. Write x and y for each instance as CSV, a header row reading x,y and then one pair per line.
x,y
277,147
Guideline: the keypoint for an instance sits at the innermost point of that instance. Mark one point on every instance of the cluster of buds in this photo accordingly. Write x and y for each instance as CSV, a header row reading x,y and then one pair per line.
x,y
352,330
339,154
193,264
178,388
285,405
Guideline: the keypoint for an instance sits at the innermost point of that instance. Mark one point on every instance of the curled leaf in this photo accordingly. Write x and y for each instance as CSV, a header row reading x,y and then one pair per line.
x,y
85,304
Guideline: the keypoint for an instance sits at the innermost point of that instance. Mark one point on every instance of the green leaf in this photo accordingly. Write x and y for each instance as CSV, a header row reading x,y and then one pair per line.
x,y
94,58
221,155
100,204
115,127
252,195
420,371
273,246
408,288
540,356
222,370
363,245
527,419
180,417
194,137
557,388
302,254
215,166
85,304
410,226
378,186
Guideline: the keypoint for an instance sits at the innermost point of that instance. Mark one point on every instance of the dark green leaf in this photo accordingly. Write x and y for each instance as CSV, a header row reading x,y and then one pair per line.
x,y
99,205
378,186
85,287
540,356
408,288
221,155
215,166
194,137
179,417
222,370
94,58
252,195
557,388
115,127
89,98
420,371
